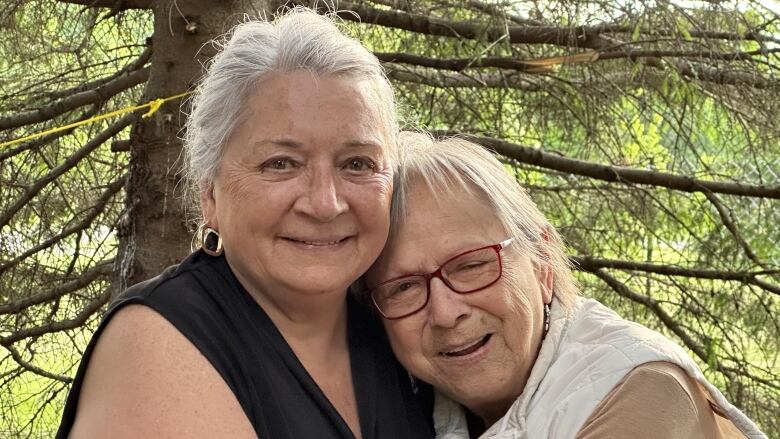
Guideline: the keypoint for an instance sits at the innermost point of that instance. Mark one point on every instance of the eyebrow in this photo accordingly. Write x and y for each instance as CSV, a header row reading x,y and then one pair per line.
x,y
362,144
289,143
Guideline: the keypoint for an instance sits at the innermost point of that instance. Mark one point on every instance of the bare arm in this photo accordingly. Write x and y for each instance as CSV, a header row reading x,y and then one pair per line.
x,y
145,379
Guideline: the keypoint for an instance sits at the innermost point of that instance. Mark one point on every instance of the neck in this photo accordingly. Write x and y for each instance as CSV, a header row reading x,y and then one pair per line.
x,y
489,414
313,325
316,331
311,321
494,409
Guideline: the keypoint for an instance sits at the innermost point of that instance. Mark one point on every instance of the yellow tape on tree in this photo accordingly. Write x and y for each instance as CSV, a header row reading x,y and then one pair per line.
x,y
153,106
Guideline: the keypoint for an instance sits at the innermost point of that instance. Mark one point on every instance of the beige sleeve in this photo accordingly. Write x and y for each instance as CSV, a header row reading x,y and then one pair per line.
x,y
658,400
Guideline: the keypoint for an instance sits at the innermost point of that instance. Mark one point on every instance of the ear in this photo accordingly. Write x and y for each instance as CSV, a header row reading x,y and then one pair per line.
x,y
544,272
545,277
208,205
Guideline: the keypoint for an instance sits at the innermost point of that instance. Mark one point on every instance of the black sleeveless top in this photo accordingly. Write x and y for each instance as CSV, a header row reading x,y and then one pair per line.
x,y
203,299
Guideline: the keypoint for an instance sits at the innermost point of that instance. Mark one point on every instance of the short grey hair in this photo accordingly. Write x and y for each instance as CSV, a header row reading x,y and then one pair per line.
x,y
451,164
298,40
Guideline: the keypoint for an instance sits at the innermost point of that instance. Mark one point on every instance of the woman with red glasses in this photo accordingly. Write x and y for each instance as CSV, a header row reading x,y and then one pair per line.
x,y
478,300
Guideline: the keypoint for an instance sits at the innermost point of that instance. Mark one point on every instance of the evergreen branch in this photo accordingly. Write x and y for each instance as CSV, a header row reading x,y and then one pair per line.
x,y
101,270
95,210
59,77
443,79
555,35
94,96
57,326
622,174
495,11
69,163
26,365
589,263
114,5
43,405
703,72
670,323
728,221
137,64
456,64
655,307
578,37
592,37
697,54
6,153
533,65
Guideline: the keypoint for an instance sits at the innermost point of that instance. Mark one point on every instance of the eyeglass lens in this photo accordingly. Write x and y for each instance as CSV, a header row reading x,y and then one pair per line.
x,y
466,273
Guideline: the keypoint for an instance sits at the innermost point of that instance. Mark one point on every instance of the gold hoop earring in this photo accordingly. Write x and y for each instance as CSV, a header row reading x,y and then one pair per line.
x,y
210,241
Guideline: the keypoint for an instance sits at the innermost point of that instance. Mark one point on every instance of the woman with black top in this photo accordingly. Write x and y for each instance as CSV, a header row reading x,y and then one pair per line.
x,y
291,143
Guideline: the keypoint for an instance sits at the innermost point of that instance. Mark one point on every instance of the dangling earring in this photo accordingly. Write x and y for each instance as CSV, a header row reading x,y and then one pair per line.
x,y
413,382
546,319
210,241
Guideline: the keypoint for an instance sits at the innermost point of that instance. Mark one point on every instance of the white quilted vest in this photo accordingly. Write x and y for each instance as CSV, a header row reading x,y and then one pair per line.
x,y
583,357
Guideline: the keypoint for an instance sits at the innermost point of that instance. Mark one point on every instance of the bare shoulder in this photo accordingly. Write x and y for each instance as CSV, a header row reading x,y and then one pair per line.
x,y
145,379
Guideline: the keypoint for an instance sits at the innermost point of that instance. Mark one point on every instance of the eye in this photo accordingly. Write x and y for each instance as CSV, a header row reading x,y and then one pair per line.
x,y
407,286
359,165
471,265
278,164
403,287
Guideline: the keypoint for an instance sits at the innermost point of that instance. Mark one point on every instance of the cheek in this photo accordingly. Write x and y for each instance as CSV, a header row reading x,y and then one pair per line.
x,y
237,188
371,200
247,202
376,189
518,323
406,341
506,307
522,289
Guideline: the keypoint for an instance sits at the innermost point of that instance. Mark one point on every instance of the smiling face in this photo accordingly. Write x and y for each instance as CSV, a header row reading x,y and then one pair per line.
x,y
476,348
302,194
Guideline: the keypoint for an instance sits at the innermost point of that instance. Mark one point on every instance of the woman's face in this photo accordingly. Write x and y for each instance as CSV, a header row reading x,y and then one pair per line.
x,y
302,194
476,348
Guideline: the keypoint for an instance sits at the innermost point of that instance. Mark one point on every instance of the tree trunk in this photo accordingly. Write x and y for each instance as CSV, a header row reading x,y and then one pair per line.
x,y
154,231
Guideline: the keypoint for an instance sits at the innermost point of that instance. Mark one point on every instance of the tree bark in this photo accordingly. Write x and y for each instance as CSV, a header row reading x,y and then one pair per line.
x,y
154,231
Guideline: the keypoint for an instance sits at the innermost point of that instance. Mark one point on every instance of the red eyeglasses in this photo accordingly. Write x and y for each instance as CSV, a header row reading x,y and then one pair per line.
x,y
465,273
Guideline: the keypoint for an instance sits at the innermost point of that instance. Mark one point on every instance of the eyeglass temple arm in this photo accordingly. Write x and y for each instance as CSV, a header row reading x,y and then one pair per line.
x,y
502,245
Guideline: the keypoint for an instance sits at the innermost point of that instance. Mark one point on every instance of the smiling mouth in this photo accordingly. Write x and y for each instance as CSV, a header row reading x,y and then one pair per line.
x,y
316,243
468,349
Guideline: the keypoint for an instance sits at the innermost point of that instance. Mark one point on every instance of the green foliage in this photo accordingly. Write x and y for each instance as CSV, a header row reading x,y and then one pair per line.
x,y
643,113
47,50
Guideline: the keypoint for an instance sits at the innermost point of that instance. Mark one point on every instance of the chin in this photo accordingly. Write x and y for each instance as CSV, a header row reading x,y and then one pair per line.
x,y
474,393
314,284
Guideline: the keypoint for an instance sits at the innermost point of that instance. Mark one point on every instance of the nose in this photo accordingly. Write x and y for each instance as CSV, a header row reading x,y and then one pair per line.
x,y
322,200
446,307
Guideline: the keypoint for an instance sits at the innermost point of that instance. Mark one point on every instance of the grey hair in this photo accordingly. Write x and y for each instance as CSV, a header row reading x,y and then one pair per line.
x,y
451,164
299,40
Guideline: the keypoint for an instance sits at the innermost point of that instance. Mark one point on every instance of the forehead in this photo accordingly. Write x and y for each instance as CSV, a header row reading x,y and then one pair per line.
x,y
307,108
438,225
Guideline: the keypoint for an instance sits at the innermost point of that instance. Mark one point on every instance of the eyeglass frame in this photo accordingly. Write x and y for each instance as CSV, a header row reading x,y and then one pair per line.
x,y
438,274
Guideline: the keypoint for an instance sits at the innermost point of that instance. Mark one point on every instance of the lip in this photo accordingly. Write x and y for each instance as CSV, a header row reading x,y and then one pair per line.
x,y
468,351
318,243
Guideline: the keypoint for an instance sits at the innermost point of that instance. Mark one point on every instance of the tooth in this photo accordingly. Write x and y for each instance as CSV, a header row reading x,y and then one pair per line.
x,y
463,347
320,243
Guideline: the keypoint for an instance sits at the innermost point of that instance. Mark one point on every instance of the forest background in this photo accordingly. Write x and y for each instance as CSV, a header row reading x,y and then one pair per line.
x,y
648,131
